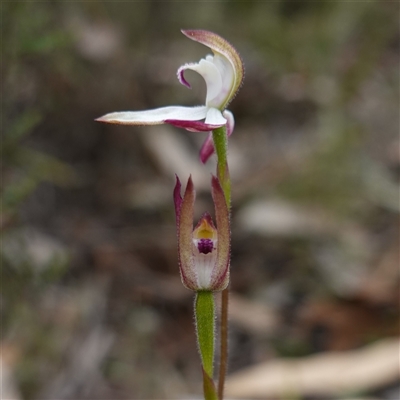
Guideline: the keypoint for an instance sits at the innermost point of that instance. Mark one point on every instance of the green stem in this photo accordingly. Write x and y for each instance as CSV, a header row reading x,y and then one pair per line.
x,y
209,388
221,148
223,362
205,327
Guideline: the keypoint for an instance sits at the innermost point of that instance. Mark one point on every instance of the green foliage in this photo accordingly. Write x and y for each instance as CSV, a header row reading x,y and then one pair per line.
x,y
31,29
205,321
33,35
31,38
333,174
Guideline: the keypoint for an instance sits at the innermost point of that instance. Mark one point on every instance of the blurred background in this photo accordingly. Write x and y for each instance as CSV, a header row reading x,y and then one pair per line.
x,y
92,303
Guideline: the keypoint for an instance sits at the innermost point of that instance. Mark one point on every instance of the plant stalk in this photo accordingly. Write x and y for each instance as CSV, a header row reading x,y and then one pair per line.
x,y
223,363
205,327
221,148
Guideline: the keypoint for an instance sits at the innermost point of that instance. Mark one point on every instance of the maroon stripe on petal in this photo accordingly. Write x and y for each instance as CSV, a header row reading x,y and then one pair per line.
x,y
177,200
181,77
207,150
193,126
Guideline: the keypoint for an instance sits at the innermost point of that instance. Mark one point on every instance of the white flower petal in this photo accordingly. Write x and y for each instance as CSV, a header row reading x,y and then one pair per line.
x,y
204,265
155,116
228,78
227,60
211,74
214,117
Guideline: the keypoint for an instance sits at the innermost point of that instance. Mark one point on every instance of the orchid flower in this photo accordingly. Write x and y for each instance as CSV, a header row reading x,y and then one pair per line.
x,y
204,252
223,73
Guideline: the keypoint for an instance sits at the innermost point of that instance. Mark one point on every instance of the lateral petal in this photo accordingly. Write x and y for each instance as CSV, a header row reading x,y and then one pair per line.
x,y
155,116
185,229
177,201
220,275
